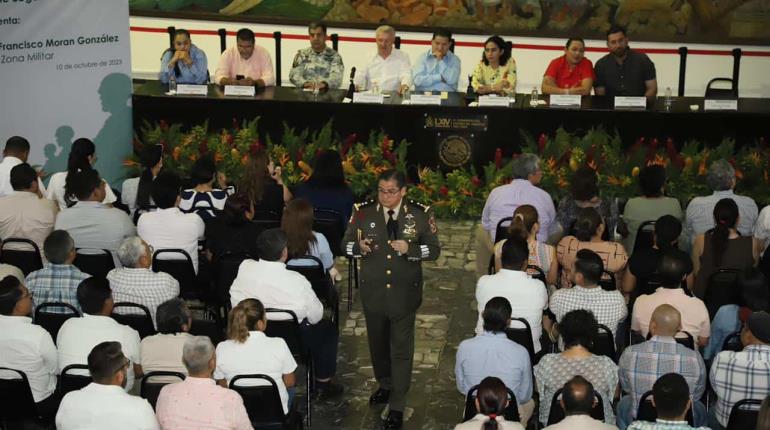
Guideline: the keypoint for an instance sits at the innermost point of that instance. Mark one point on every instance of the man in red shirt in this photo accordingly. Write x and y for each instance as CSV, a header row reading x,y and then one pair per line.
x,y
571,73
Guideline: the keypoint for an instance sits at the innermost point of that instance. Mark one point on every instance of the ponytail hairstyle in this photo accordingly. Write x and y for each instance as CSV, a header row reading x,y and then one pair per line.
x,y
493,398
82,148
244,318
725,218
524,218
150,157
586,224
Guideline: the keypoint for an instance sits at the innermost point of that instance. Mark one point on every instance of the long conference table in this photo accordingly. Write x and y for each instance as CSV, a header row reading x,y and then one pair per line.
x,y
430,127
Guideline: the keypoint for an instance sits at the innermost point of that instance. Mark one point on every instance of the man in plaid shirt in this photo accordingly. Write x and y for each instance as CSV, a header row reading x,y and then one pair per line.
x,y
742,375
58,281
641,365
135,282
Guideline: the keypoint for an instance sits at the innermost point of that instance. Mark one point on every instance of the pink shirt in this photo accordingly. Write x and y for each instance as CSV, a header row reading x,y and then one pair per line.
x,y
258,66
695,317
199,403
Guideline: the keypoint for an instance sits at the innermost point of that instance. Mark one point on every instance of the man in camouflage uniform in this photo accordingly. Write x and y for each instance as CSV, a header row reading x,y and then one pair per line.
x,y
317,65
392,236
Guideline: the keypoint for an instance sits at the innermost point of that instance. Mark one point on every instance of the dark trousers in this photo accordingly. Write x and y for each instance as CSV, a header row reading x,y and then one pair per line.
x,y
391,345
47,407
321,339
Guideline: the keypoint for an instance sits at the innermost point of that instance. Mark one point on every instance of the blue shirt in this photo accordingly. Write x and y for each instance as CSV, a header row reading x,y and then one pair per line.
x,y
431,74
195,73
56,283
493,354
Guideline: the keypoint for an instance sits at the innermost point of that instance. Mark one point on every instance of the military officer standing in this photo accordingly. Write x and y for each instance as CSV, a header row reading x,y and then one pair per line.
x,y
392,236
317,66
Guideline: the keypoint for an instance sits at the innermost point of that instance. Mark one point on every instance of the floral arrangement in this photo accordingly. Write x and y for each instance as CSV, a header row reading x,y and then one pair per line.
x,y
461,193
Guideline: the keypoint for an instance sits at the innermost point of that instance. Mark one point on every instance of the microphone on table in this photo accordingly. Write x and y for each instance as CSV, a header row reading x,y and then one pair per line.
x,y
470,93
352,86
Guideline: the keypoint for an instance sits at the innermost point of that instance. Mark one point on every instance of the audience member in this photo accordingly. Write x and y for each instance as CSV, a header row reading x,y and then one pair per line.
x,y
232,232
184,61
58,281
92,224
642,364
491,353
438,69
16,152
301,240
651,205
671,397
103,403
389,69
496,72
23,214
491,401
82,157
272,284
163,351
624,71
528,297
578,330
262,182
203,199
584,193
168,227
136,192
27,347
742,375
503,200
762,227
326,188
577,400
249,351
722,247
78,336
609,307
318,66
525,224
180,405
700,212
245,63
589,228
672,271
572,73
136,283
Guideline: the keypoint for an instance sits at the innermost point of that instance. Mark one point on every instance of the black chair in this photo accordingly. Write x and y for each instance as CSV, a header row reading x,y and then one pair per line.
x,y
26,260
151,390
321,282
96,264
181,269
733,342
265,219
536,272
141,322
501,231
522,336
72,382
51,321
225,271
263,404
212,328
608,282
511,411
556,412
604,344
721,291
646,410
17,406
721,93
742,418
645,236
330,223
687,340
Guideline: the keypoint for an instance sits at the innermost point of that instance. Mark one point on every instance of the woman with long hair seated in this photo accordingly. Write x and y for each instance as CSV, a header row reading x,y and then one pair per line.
x,y
232,231
589,228
722,247
262,182
184,61
203,199
82,157
491,401
525,224
136,191
326,188
496,72
297,223
248,350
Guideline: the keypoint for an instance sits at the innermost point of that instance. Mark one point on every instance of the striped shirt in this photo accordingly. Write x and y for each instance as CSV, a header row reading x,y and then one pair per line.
x,y
56,283
142,286
740,375
700,214
661,424
609,307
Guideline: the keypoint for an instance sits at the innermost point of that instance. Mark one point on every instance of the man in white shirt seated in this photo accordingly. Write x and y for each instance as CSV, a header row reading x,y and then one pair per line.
x,y
78,336
26,347
168,227
389,69
271,283
16,152
135,282
92,224
103,404
528,297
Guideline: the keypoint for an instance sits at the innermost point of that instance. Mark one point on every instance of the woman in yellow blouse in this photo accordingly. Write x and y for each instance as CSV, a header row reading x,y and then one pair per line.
x,y
496,72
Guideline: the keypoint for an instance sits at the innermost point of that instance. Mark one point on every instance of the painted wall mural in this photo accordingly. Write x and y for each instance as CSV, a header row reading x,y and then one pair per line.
x,y
722,21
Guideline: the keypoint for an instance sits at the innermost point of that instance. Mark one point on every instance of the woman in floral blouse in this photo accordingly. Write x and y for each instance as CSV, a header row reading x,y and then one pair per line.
x,y
496,72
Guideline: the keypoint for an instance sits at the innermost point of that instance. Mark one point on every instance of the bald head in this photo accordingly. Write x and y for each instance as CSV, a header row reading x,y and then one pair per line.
x,y
666,321
577,396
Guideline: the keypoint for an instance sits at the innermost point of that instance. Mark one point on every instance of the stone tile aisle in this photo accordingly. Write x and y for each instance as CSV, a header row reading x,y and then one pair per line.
x,y
446,317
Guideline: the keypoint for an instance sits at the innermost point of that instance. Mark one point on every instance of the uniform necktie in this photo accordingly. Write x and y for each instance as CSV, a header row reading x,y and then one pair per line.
x,y
392,225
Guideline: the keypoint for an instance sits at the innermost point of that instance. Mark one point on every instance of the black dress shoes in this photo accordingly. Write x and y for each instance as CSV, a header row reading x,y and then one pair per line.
x,y
379,397
394,421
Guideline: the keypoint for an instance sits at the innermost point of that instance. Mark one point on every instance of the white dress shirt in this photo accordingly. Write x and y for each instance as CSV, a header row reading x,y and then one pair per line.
x,y
129,192
8,163
528,298
389,73
8,270
762,227
28,348
276,287
78,336
170,228
580,422
99,407
56,190
25,215
259,354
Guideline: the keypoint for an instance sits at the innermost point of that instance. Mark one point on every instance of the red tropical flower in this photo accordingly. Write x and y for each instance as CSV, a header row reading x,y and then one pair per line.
x,y
476,181
498,158
163,125
255,147
541,141
444,191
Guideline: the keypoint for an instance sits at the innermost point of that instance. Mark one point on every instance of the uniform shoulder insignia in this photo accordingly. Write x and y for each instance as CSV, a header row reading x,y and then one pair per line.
x,y
421,206
363,204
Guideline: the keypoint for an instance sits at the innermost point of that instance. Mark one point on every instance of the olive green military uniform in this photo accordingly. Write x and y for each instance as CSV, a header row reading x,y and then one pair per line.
x,y
391,287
